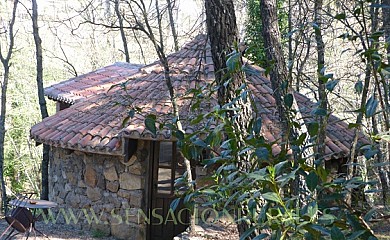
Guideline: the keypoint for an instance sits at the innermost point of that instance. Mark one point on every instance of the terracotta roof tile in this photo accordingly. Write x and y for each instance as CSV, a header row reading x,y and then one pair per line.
x,y
67,137
92,83
85,140
94,122
75,139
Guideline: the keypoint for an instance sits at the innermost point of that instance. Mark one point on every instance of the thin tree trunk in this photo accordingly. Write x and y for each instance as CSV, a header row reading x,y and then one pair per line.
x,y
41,97
359,120
122,30
381,169
290,48
5,60
386,25
172,24
280,85
4,86
274,54
386,88
322,97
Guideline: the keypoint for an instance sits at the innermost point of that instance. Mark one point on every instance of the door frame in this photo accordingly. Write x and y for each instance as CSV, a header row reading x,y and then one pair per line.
x,y
152,178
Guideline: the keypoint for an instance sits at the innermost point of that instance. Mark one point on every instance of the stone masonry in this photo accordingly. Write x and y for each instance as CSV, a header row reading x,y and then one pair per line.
x,y
99,192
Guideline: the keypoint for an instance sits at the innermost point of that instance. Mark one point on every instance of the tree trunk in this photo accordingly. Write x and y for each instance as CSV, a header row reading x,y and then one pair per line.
x,y
386,25
274,54
41,97
383,175
280,85
122,30
5,60
223,34
4,86
322,97
352,170
290,48
172,23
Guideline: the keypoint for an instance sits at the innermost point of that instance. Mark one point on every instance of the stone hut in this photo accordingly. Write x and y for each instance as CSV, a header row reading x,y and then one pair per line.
x,y
116,176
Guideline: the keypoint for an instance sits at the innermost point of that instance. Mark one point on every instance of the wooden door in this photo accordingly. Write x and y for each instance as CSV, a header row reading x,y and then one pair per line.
x,y
167,165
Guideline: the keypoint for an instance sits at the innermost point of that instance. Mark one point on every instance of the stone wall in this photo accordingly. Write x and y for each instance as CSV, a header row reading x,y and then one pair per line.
x,y
99,192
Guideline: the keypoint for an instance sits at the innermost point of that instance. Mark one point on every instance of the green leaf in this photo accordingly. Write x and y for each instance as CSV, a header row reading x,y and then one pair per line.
x,y
319,112
244,151
262,218
369,215
330,85
353,125
354,222
280,166
376,36
247,233
198,119
312,181
252,205
233,61
150,124
327,219
200,143
312,209
262,153
321,172
370,152
359,87
356,234
371,105
321,229
332,197
336,234
288,100
316,27
125,121
131,113
179,135
261,236
357,12
326,77
372,238
271,196
261,175
312,128
188,198
340,16
301,139
174,204
285,178
226,144
257,125
208,191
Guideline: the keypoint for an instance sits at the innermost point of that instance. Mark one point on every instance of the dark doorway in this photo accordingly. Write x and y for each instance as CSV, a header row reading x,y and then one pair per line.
x,y
166,166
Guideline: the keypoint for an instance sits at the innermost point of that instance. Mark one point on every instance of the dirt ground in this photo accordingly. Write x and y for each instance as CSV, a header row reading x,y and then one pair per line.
x,y
67,232
56,232
223,232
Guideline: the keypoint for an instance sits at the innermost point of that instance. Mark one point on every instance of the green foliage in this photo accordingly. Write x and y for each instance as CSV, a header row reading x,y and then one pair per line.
x,y
253,31
22,160
281,198
371,106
